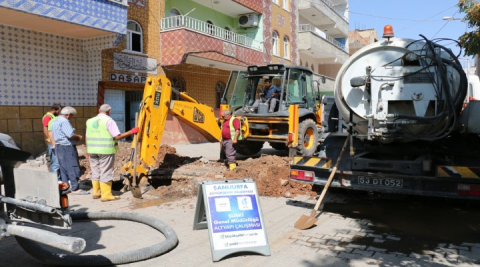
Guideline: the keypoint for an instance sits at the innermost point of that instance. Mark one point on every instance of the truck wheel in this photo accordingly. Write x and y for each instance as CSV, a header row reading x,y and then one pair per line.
x,y
307,138
278,146
249,148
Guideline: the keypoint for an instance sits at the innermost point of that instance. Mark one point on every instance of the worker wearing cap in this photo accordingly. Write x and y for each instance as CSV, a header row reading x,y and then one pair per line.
x,y
101,138
230,135
66,150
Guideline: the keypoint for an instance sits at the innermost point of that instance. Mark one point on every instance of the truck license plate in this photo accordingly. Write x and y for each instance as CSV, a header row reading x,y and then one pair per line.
x,y
387,182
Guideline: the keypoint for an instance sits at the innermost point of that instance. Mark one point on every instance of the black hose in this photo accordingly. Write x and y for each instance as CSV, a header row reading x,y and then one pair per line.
x,y
123,257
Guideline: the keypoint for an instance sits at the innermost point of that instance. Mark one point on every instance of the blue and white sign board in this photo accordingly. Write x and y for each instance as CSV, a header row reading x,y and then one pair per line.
x,y
233,217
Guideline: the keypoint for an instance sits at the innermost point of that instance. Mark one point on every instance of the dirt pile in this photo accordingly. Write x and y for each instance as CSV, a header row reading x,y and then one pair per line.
x,y
271,174
183,174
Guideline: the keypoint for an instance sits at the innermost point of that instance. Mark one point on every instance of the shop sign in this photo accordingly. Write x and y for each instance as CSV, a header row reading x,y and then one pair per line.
x,y
126,78
132,63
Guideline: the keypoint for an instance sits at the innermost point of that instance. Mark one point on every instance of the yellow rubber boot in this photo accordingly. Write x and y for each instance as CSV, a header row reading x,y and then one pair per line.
x,y
97,193
232,166
106,189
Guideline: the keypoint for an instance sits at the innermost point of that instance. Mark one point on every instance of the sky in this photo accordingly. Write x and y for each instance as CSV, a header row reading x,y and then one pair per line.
x,y
409,18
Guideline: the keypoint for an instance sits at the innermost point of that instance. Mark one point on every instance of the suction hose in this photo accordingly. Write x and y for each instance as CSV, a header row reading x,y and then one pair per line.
x,y
123,257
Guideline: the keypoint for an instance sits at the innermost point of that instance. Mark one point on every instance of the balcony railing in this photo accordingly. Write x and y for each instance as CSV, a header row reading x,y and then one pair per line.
x,y
323,35
185,22
341,13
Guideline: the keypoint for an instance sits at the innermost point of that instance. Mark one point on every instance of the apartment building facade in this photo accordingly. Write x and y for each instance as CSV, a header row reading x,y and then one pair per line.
x,y
202,41
52,53
358,39
322,38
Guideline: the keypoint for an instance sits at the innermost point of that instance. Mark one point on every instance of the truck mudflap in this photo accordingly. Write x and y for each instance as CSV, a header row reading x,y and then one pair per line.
x,y
461,181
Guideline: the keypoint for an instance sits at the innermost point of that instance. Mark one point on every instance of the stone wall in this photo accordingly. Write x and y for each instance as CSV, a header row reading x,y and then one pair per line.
x,y
24,124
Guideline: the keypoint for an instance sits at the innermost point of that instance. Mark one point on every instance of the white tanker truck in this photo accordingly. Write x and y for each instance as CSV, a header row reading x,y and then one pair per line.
x,y
400,105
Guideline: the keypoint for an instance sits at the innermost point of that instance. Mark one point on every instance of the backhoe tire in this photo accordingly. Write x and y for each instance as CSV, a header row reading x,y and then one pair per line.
x,y
248,148
278,146
307,138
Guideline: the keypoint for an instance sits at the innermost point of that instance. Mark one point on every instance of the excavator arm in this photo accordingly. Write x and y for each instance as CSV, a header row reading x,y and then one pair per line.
x,y
156,104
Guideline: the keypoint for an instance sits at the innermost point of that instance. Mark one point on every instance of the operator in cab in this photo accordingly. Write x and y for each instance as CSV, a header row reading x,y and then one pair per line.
x,y
269,95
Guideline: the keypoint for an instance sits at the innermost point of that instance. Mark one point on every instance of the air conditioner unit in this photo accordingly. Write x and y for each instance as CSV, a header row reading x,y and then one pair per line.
x,y
248,20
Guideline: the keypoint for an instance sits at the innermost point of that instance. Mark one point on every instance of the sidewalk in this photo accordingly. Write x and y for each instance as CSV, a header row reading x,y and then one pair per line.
x,y
337,240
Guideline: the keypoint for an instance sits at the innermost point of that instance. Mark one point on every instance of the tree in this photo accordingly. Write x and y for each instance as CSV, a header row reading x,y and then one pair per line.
x,y
470,41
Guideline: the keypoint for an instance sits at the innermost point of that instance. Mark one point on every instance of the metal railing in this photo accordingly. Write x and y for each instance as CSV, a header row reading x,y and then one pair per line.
x,y
323,35
185,22
340,12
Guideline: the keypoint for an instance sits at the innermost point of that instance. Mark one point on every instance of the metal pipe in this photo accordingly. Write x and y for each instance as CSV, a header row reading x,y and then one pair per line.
x,y
66,243
28,205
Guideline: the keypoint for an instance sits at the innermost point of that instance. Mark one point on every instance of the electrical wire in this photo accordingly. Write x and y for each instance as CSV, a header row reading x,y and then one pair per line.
x,y
444,25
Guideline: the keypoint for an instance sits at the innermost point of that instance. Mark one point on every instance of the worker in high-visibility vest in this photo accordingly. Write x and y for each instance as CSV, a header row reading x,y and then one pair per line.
x,y
101,140
230,135
46,121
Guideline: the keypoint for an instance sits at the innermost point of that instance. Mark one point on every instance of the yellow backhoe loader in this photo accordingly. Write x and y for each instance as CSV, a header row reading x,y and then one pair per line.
x,y
283,125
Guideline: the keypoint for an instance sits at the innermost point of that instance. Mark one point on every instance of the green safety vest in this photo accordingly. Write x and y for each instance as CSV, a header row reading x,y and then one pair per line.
x,y
50,115
52,118
99,139
50,123
232,129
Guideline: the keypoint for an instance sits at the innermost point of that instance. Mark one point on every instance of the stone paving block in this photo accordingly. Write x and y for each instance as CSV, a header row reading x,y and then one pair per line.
x,y
376,249
434,254
317,240
302,243
378,240
458,247
391,237
321,246
398,254
374,235
409,263
469,254
452,257
345,236
335,238
359,234
327,260
338,248
363,263
304,238
442,261
332,243
356,246
364,222
342,231
354,229
384,258
446,250
345,255
475,250
466,244
363,252
420,256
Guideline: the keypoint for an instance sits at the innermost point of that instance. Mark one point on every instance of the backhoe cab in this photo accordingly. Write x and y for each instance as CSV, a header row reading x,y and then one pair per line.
x,y
295,120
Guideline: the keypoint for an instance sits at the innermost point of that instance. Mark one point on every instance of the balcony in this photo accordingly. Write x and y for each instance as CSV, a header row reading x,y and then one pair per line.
x,y
67,18
232,7
183,35
319,45
324,15
185,22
